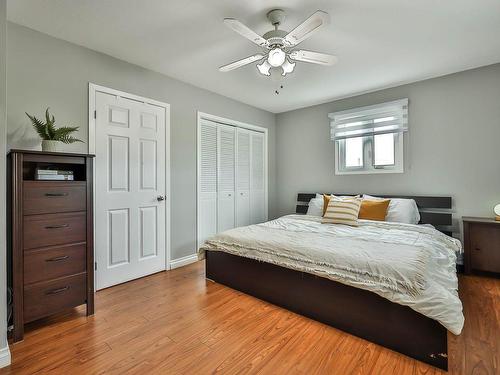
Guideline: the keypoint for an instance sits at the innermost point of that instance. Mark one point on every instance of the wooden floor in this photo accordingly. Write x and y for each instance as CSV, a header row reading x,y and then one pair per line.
x,y
176,322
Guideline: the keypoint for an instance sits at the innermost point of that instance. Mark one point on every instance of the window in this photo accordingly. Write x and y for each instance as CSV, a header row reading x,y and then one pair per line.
x,y
370,139
354,152
383,149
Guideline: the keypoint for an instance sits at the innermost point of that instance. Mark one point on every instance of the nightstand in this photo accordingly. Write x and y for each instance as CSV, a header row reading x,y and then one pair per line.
x,y
482,245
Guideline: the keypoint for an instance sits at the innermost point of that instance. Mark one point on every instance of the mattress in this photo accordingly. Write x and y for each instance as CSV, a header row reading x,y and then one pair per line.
x,y
412,265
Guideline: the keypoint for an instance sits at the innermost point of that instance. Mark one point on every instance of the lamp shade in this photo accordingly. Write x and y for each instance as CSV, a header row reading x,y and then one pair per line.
x,y
276,57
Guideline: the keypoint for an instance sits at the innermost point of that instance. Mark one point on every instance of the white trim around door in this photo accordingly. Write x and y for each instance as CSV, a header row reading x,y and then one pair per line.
x,y
237,124
93,90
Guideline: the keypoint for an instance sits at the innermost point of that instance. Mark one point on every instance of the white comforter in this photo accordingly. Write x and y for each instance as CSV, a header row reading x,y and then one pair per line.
x,y
413,265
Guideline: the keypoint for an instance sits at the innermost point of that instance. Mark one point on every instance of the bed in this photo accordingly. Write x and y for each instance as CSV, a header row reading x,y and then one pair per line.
x,y
404,303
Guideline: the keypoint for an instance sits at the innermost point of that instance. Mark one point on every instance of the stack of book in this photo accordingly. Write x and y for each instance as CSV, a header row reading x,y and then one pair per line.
x,y
54,175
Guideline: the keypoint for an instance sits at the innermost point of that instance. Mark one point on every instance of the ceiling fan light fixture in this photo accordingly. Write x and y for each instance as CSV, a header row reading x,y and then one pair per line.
x,y
276,57
264,68
287,67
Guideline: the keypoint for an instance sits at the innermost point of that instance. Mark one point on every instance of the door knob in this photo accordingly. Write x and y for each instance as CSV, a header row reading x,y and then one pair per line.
x,y
160,198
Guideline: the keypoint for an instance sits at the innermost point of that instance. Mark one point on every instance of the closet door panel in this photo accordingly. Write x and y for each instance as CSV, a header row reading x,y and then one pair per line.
x,y
226,142
258,209
232,181
243,209
242,177
207,203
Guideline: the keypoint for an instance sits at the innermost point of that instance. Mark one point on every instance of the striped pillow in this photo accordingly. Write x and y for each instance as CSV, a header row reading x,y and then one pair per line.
x,y
342,211
326,199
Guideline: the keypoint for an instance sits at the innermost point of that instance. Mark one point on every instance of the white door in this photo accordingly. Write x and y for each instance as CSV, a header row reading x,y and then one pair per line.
x,y
130,189
242,177
226,141
207,180
258,209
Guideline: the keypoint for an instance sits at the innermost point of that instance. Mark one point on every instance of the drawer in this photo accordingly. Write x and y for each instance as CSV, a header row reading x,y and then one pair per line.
x,y
54,229
50,297
485,247
42,197
47,264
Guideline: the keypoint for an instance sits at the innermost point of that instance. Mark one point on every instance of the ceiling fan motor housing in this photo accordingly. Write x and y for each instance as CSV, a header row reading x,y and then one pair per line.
x,y
275,38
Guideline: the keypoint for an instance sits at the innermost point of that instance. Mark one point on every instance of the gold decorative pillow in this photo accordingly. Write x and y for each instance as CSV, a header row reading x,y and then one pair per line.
x,y
326,200
342,211
374,209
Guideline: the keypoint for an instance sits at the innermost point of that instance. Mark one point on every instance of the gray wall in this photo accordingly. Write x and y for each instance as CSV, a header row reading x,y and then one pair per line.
x,y
3,132
452,147
47,72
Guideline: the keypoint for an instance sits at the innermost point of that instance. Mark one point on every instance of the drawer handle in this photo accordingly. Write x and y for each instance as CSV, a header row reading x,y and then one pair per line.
x,y
57,226
57,291
56,194
57,259
477,249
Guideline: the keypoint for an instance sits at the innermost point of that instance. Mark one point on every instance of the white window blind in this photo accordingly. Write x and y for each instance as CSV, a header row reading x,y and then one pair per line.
x,y
384,118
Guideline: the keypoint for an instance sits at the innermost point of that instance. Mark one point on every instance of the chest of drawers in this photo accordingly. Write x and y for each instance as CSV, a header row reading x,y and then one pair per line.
x,y
51,259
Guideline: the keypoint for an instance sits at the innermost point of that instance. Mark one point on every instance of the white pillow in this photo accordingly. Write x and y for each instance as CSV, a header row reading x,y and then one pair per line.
x,y
400,210
315,206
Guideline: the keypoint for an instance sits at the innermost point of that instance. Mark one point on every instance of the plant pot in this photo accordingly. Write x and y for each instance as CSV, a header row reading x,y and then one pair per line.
x,y
52,146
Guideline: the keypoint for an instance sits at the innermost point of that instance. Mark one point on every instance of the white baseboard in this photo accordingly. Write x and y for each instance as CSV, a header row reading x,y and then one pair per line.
x,y
184,261
4,357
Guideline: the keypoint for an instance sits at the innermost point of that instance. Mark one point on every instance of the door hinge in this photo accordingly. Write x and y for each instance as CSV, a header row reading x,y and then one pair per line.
x,y
95,114
95,266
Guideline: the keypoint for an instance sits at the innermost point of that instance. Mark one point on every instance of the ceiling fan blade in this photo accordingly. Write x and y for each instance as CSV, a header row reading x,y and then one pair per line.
x,y
240,63
313,57
243,30
307,28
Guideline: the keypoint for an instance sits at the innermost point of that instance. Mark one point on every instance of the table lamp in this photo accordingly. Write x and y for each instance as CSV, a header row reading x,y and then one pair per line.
x,y
497,212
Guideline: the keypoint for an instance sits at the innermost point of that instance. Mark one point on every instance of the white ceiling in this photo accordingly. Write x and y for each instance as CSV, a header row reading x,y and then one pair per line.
x,y
379,43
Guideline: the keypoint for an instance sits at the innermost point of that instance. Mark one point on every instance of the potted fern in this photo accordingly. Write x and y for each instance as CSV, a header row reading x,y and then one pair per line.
x,y
53,138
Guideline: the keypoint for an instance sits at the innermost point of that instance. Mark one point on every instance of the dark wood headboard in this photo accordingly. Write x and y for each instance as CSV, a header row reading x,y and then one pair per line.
x,y
440,219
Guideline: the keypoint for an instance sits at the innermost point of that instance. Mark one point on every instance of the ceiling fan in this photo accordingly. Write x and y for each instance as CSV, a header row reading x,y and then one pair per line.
x,y
279,47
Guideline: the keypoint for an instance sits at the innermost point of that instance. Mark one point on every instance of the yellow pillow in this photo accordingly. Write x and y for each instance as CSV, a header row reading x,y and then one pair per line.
x,y
374,209
326,200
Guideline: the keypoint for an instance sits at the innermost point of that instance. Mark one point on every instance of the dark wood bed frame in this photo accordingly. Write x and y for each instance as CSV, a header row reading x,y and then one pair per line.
x,y
356,311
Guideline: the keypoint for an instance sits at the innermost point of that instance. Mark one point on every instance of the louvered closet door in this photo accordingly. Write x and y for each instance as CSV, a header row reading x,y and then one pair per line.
x,y
226,142
207,205
242,177
258,211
